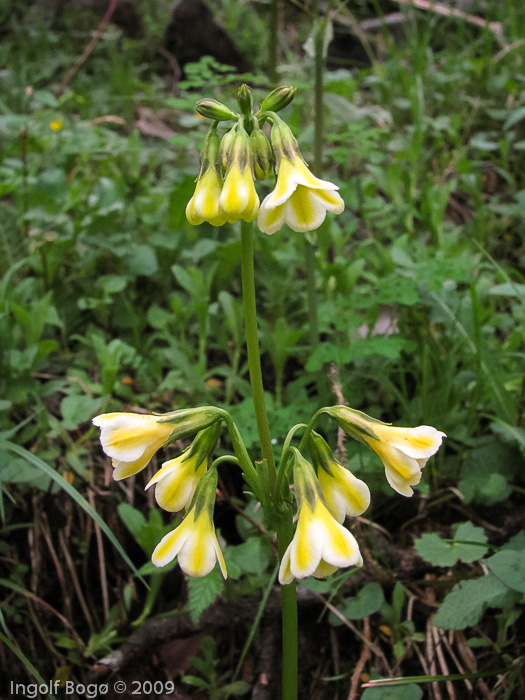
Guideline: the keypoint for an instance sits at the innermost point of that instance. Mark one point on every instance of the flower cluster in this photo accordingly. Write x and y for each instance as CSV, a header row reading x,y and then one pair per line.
x,y
225,190
185,482
325,491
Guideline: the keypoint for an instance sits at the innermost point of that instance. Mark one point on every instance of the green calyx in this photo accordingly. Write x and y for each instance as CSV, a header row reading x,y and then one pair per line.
x,y
322,455
262,152
278,99
305,481
204,444
356,423
205,494
211,109
188,421
210,150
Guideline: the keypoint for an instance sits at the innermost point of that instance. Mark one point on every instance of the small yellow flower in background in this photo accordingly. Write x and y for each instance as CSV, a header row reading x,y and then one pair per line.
x,y
131,439
345,494
56,124
177,480
320,545
194,541
204,205
239,199
299,199
403,451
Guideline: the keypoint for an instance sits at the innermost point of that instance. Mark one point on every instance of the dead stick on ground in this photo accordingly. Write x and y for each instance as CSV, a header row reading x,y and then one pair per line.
x,y
365,656
97,34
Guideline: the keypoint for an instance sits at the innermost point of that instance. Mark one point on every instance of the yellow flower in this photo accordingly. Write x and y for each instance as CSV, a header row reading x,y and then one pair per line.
x,y
194,541
239,199
131,440
176,482
403,451
319,547
299,199
344,493
56,124
320,544
204,205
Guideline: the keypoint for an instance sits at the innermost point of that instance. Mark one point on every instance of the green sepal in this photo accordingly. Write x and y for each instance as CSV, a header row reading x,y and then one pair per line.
x,y
278,99
322,455
262,153
353,422
211,109
188,421
204,444
205,494
306,485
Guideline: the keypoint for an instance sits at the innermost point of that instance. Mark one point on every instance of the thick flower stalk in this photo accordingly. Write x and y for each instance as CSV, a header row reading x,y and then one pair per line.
x,y
176,481
320,545
345,494
299,199
194,541
403,451
131,439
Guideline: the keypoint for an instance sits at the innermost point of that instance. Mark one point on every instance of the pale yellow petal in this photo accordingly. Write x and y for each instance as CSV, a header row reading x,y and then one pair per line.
x,y
307,545
285,572
171,544
304,212
271,219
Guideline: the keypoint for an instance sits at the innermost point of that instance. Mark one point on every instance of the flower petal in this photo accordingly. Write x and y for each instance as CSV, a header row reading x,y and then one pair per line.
x,y
419,443
304,212
307,546
170,545
271,219
285,572
125,436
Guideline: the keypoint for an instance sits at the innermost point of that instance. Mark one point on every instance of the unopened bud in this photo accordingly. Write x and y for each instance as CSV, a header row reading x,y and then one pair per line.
x,y
278,99
188,421
245,99
262,154
215,110
226,145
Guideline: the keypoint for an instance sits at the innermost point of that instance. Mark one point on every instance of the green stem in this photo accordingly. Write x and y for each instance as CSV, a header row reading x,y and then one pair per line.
x,y
254,356
289,619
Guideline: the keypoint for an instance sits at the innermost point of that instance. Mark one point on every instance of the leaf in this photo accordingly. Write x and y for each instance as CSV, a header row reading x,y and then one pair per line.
x,y
486,472
252,556
439,552
509,567
407,691
510,434
514,118
368,600
464,605
388,346
78,409
142,260
203,592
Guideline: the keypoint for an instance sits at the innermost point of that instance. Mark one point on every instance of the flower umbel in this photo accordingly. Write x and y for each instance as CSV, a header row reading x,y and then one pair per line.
x,y
403,451
344,493
320,545
194,541
299,199
177,480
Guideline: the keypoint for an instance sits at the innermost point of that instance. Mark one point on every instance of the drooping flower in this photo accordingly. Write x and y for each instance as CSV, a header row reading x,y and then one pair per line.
x,y
194,541
299,199
131,439
204,204
239,199
403,451
177,480
320,545
345,494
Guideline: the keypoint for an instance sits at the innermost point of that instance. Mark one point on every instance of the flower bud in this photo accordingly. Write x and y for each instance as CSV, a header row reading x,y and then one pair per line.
x,y
278,99
262,154
225,147
245,99
215,110
188,421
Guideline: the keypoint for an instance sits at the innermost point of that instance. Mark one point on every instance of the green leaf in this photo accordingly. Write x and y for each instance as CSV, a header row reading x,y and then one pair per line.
x,y
440,552
142,260
78,409
510,434
252,556
464,605
407,691
203,592
368,600
390,346
509,567
486,472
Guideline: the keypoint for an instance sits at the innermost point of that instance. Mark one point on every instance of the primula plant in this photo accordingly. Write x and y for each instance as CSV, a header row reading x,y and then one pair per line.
x,y
307,496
